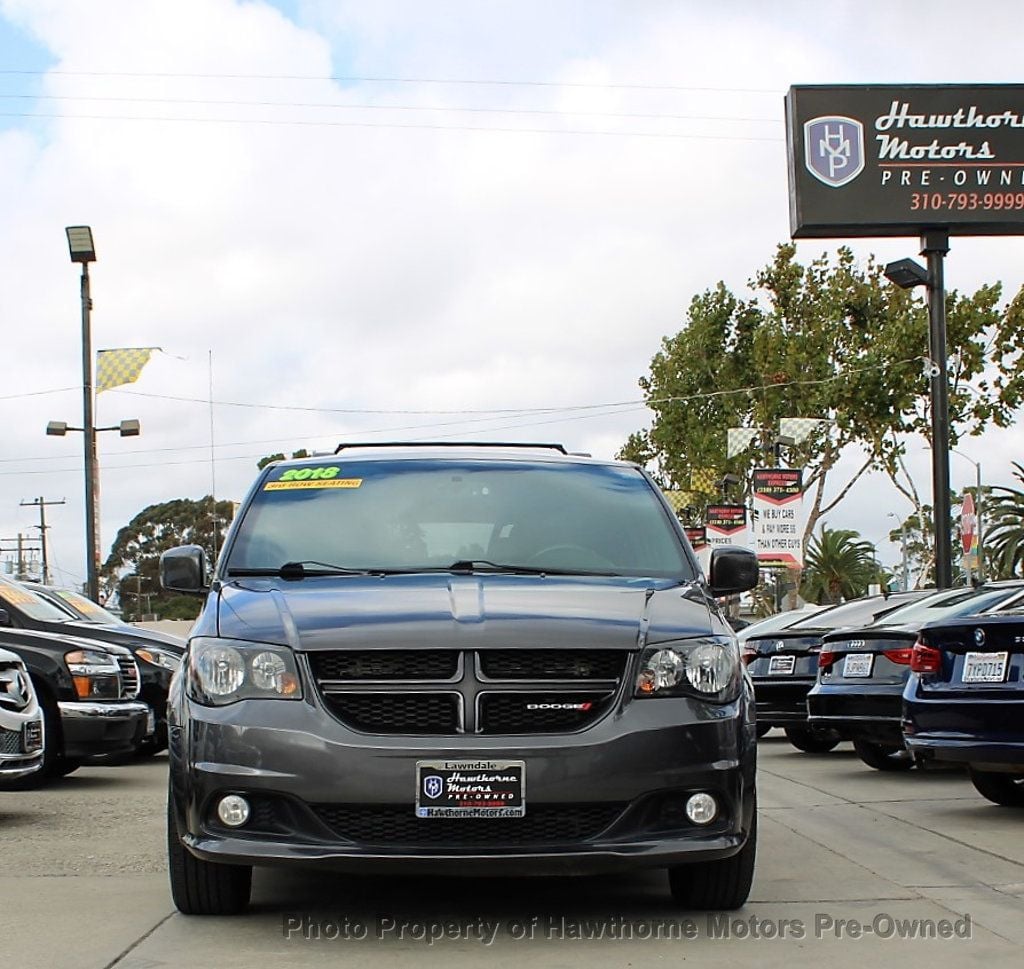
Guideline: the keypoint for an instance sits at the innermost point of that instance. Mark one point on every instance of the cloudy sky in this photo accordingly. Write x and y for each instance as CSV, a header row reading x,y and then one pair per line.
x,y
408,218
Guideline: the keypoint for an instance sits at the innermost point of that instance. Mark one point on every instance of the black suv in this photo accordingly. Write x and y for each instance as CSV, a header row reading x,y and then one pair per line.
x,y
461,660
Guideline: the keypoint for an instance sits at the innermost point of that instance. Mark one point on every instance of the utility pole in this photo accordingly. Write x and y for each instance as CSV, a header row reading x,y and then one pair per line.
x,y
41,503
20,549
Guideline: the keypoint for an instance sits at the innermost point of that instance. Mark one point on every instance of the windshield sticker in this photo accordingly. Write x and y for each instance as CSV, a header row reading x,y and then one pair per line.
x,y
80,602
16,597
282,485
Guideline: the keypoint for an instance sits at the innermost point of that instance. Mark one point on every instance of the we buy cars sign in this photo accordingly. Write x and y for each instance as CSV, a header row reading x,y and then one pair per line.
x,y
778,497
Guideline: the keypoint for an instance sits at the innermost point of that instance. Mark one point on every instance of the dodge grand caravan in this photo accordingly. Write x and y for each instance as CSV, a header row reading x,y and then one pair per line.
x,y
491,660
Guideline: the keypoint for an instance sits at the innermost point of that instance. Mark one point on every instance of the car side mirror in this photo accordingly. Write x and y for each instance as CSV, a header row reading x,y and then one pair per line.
x,y
5,617
733,570
183,569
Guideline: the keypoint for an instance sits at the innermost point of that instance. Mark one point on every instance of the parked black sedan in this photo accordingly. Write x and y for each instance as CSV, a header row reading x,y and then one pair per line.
x,y
784,664
62,611
862,672
964,700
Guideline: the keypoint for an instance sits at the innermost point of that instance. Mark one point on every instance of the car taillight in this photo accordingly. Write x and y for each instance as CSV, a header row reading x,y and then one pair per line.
x,y
826,658
748,654
901,657
925,659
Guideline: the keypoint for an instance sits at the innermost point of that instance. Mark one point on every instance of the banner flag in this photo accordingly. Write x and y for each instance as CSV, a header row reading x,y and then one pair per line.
x,y
120,366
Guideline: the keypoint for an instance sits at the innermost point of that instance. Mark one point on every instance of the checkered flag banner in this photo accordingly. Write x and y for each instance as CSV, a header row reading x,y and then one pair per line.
x,y
704,480
121,366
738,439
800,428
680,499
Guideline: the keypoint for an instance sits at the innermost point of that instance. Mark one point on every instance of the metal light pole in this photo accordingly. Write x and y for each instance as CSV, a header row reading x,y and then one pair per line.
x,y
904,564
907,274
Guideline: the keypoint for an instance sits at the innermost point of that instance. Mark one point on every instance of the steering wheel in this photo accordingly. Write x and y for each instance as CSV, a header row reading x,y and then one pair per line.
x,y
587,556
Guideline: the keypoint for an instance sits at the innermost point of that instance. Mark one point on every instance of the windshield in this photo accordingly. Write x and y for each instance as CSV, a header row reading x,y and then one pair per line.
x,y
84,609
944,605
426,514
29,604
861,612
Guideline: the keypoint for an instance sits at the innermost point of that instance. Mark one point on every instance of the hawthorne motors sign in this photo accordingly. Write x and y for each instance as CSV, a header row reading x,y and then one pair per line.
x,y
896,160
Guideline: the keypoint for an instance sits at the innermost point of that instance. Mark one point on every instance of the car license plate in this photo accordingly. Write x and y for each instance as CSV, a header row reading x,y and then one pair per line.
x,y
781,665
470,788
858,664
985,667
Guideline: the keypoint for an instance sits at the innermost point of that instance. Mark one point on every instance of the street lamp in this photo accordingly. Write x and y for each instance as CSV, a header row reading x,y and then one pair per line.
x,y
977,512
906,273
903,551
779,443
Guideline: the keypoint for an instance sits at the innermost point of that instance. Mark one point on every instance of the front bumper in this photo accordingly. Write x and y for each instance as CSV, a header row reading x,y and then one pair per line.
x,y
21,743
782,703
93,728
863,713
302,769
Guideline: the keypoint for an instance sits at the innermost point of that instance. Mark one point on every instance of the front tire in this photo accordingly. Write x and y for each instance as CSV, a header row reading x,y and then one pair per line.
x,y
202,887
813,740
716,885
1004,789
885,757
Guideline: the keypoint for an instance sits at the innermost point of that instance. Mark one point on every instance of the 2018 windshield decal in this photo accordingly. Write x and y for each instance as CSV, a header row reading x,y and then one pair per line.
x,y
319,477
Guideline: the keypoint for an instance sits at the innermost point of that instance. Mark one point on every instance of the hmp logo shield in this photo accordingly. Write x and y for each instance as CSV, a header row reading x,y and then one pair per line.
x,y
834,149
433,786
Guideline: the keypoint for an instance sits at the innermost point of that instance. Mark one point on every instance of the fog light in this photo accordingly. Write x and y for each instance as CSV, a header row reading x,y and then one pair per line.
x,y
701,808
234,810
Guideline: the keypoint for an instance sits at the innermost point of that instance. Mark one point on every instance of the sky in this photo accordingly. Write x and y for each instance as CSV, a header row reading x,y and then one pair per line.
x,y
409,219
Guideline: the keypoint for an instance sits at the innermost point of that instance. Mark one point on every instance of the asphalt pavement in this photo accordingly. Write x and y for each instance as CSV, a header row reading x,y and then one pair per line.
x,y
856,868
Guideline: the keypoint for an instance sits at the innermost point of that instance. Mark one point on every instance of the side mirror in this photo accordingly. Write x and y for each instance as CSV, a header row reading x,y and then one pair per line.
x,y
733,570
5,617
183,569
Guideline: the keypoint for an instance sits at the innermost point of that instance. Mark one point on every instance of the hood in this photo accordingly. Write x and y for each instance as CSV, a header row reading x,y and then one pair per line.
x,y
130,636
462,611
55,642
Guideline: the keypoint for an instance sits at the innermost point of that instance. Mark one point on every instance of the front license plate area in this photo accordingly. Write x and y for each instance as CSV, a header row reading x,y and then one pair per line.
x,y
985,667
781,665
470,788
858,664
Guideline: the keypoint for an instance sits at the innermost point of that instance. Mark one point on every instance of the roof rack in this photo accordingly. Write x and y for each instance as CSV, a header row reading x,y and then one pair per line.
x,y
496,444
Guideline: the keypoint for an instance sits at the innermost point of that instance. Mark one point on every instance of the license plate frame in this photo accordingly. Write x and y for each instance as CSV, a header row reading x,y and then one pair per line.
x,y
1000,662
470,788
782,665
858,666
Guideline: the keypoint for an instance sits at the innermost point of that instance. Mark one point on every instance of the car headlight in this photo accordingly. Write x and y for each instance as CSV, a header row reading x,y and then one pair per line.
x,y
222,671
159,657
708,668
95,674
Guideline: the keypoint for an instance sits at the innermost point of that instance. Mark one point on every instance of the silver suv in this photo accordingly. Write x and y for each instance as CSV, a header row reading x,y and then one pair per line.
x,y
21,722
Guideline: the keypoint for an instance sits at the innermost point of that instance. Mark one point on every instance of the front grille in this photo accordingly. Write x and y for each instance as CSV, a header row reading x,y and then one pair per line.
x,y
391,664
406,713
129,677
540,712
386,825
447,691
10,742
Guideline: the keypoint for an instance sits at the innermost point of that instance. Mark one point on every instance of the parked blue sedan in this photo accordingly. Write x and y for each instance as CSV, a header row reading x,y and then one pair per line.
x,y
964,701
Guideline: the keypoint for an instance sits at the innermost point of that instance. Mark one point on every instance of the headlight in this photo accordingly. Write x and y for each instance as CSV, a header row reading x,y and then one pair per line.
x,y
708,668
159,657
94,673
222,671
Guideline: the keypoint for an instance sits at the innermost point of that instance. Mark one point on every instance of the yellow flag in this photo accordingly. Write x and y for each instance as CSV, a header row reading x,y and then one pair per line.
x,y
704,480
121,366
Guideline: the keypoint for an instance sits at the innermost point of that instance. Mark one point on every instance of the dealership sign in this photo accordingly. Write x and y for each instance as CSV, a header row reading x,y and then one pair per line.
x,y
697,536
778,496
899,159
726,525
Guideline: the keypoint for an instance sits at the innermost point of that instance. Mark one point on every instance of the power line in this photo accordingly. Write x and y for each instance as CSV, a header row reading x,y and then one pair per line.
x,y
371,79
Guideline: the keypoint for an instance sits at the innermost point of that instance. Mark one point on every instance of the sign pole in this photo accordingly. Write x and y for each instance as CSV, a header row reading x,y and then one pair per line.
x,y
934,246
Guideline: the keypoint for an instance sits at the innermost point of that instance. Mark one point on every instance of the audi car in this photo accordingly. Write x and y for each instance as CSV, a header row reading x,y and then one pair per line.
x,y
461,660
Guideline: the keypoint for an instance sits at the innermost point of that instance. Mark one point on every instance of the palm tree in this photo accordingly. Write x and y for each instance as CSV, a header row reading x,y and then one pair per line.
x,y
1004,536
838,565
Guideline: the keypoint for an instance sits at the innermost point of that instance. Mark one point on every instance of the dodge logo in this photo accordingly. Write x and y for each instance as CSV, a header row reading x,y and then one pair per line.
x,y
559,706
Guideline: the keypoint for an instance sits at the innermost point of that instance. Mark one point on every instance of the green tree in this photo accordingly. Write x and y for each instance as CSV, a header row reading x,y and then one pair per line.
x,y
133,566
270,458
838,565
1004,532
832,340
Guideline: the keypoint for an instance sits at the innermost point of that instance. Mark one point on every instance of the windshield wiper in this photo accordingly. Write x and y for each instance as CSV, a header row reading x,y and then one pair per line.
x,y
299,570
483,565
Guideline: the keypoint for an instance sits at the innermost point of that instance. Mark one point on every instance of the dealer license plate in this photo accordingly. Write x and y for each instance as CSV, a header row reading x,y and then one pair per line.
x,y
985,667
858,664
781,665
470,788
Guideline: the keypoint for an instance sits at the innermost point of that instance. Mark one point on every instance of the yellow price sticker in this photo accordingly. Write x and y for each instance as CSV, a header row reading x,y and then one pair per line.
x,y
303,485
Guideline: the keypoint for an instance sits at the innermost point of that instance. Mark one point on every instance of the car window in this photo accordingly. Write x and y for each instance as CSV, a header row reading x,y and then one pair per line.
x,y
860,612
421,514
962,602
35,607
85,608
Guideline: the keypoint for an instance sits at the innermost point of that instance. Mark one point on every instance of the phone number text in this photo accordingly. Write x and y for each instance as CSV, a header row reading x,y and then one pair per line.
x,y
967,201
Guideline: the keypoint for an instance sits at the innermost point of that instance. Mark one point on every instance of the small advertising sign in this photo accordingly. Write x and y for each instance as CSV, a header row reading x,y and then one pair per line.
x,y
878,160
778,517
727,525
